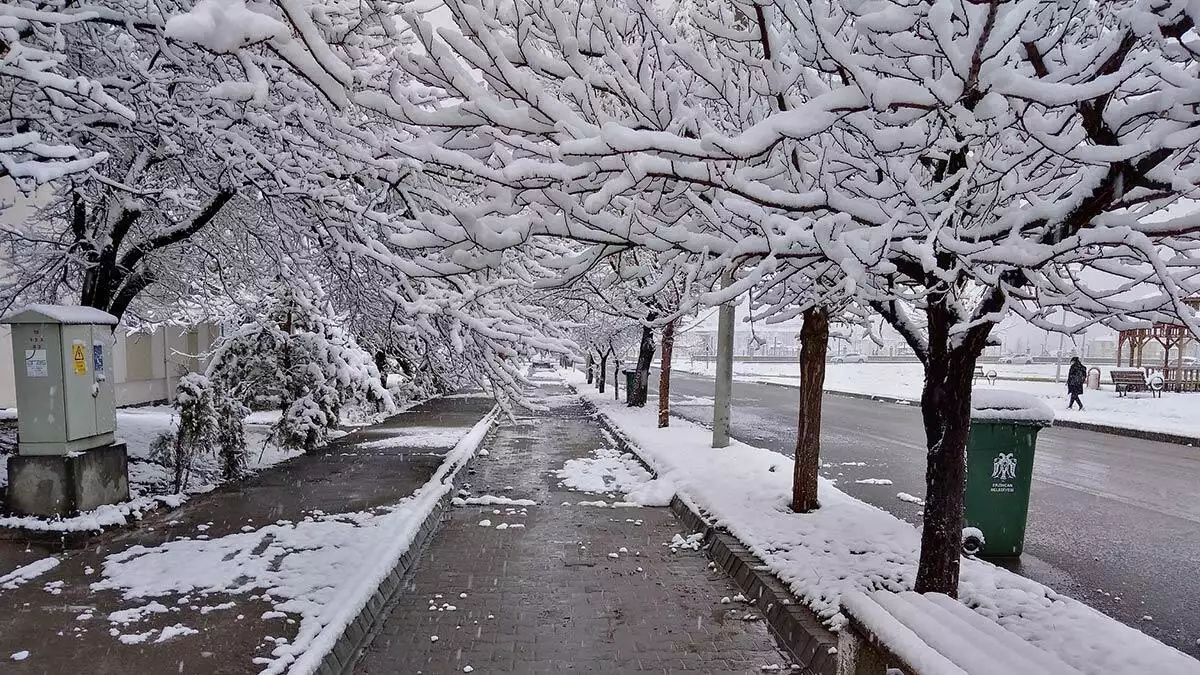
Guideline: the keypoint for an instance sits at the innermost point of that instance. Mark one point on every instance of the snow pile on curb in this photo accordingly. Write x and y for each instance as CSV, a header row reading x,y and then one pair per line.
x,y
849,546
292,564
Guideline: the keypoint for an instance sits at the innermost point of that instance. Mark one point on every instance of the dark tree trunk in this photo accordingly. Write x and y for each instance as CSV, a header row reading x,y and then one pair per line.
x,y
814,344
603,371
590,364
946,413
381,365
112,280
641,378
617,379
664,376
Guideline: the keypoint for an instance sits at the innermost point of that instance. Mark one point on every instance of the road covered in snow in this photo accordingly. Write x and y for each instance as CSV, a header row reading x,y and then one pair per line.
x,y
1113,520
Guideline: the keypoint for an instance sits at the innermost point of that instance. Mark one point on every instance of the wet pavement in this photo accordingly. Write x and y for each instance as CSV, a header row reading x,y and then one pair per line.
x,y
564,587
65,625
1114,521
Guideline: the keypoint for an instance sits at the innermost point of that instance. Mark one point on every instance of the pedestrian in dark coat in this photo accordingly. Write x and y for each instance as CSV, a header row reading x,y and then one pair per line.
x,y
1075,379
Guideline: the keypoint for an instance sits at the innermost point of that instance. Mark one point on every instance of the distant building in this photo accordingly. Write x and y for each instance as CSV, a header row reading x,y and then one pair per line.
x,y
147,365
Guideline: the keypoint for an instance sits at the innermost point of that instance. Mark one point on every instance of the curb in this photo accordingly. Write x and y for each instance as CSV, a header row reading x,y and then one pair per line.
x,y
349,647
1159,436
811,645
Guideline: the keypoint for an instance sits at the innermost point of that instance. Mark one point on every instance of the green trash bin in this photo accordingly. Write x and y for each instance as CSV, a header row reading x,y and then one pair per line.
x,y
629,376
1000,455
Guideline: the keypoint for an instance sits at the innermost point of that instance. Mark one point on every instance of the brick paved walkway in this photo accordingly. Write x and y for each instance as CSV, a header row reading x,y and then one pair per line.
x,y
546,597
64,624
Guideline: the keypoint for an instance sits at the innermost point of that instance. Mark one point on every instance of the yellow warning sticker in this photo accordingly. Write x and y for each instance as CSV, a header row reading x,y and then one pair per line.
x,y
79,358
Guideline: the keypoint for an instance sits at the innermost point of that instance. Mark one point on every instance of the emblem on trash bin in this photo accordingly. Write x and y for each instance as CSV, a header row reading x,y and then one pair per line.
x,y
1004,467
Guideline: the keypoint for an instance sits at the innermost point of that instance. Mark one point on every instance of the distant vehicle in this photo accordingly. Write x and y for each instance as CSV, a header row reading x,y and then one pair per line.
x,y
1023,359
852,357
541,366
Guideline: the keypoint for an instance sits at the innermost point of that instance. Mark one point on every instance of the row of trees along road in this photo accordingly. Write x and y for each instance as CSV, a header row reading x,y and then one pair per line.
x,y
942,165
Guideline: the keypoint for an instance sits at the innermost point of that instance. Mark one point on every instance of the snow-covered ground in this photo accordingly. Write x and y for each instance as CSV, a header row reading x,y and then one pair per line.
x,y
1172,413
848,545
322,570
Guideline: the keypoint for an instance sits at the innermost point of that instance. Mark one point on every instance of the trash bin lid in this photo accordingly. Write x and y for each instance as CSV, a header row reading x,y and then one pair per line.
x,y
1005,405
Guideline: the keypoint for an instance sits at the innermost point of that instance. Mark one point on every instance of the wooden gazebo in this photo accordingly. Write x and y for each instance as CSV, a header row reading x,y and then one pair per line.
x,y
1177,376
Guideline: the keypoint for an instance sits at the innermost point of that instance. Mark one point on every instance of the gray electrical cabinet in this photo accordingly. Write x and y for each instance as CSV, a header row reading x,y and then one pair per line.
x,y
67,457
62,360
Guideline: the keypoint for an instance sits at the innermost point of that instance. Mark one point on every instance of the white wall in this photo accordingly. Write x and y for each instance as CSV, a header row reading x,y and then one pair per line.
x,y
8,394
140,374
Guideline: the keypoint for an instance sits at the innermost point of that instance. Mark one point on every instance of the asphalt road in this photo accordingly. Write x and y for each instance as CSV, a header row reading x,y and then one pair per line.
x,y
1113,521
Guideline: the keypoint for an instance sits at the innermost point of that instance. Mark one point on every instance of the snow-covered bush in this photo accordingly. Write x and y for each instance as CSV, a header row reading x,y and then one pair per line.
x,y
297,352
198,425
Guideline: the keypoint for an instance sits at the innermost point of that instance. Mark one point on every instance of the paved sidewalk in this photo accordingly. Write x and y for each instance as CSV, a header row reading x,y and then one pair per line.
x,y
67,628
543,595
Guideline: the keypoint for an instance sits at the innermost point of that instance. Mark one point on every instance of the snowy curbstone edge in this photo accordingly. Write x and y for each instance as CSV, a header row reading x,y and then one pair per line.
x,y
352,622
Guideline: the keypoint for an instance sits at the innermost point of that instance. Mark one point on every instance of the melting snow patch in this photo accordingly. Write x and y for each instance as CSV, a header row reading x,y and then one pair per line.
x,y
419,437
171,632
608,471
27,572
20,656
874,481
136,614
136,638
491,500
485,523
692,542
905,497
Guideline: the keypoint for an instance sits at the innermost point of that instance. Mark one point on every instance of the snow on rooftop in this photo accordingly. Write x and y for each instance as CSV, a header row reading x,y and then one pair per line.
x,y
66,314
1009,405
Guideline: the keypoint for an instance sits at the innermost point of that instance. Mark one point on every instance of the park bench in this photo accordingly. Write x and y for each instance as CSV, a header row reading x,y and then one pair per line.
x,y
1126,381
932,634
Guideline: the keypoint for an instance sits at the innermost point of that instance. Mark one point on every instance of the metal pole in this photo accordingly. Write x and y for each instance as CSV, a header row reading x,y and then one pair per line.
x,y
724,388
1061,337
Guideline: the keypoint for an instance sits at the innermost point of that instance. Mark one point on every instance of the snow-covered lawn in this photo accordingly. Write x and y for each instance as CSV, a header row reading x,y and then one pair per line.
x,y
849,545
1172,413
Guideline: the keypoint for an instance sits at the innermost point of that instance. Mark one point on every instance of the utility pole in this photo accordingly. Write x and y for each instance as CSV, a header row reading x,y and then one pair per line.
x,y
724,388
1061,336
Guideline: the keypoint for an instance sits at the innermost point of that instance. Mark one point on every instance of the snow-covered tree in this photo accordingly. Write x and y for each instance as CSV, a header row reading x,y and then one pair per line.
x,y
295,353
944,163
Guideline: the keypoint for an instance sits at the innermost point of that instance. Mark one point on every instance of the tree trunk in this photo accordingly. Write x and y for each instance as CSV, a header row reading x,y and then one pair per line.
x,y
590,375
381,366
617,380
114,279
603,371
946,413
641,378
814,344
664,376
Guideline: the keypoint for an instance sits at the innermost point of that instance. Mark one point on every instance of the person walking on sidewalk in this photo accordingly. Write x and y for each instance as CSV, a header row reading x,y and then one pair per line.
x,y
1075,379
